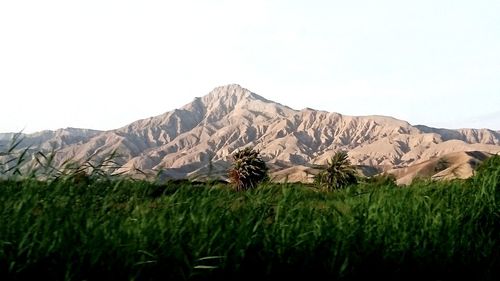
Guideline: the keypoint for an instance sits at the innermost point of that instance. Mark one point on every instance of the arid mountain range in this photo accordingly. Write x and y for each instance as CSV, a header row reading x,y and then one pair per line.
x,y
198,139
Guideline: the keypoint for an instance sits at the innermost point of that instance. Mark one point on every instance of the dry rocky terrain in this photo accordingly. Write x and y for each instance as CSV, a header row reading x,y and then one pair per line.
x,y
182,142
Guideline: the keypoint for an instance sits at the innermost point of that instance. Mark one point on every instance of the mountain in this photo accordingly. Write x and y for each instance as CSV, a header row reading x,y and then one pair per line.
x,y
182,142
47,140
450,166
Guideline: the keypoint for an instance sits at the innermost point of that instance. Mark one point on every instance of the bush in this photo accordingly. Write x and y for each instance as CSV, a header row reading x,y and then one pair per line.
x,y
490,166
380,180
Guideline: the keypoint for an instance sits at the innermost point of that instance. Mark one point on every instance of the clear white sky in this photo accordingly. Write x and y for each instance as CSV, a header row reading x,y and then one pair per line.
x,y
102,64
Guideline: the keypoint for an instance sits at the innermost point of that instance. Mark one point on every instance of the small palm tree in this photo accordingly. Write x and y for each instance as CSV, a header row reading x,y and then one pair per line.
x,y
248,169
338,173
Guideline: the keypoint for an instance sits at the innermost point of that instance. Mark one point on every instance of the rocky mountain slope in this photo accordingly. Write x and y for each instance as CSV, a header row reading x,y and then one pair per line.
x,y
182,142
450,166
47,140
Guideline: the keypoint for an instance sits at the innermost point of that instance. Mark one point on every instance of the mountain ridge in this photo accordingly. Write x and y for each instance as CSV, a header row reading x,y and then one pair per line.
x,y
183,141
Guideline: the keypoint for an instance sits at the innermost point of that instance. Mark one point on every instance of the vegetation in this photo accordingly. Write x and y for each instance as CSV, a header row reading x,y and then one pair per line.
x,y
442,165
489,166
92,226
11,159
248,169
27,164
108,229
338,173
383,179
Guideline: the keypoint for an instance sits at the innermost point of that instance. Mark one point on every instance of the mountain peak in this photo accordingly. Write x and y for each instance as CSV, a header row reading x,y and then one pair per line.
x,y
234,101
231,92
225,99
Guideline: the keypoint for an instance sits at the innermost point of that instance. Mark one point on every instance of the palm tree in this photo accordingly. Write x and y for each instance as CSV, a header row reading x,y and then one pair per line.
x,y
338,172
248,169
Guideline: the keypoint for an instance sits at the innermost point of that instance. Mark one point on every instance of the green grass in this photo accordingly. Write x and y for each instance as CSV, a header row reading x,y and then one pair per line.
x,y
126,230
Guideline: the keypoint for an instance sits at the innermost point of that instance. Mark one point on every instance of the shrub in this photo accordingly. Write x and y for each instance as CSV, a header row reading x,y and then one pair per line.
x,y
490,166
380,180
441,165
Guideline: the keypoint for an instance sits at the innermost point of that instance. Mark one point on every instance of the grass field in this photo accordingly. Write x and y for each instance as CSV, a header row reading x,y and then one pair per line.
x,y
125,230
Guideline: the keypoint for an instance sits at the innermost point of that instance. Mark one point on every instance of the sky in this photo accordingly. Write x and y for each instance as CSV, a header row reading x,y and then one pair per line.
x,y
103,64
